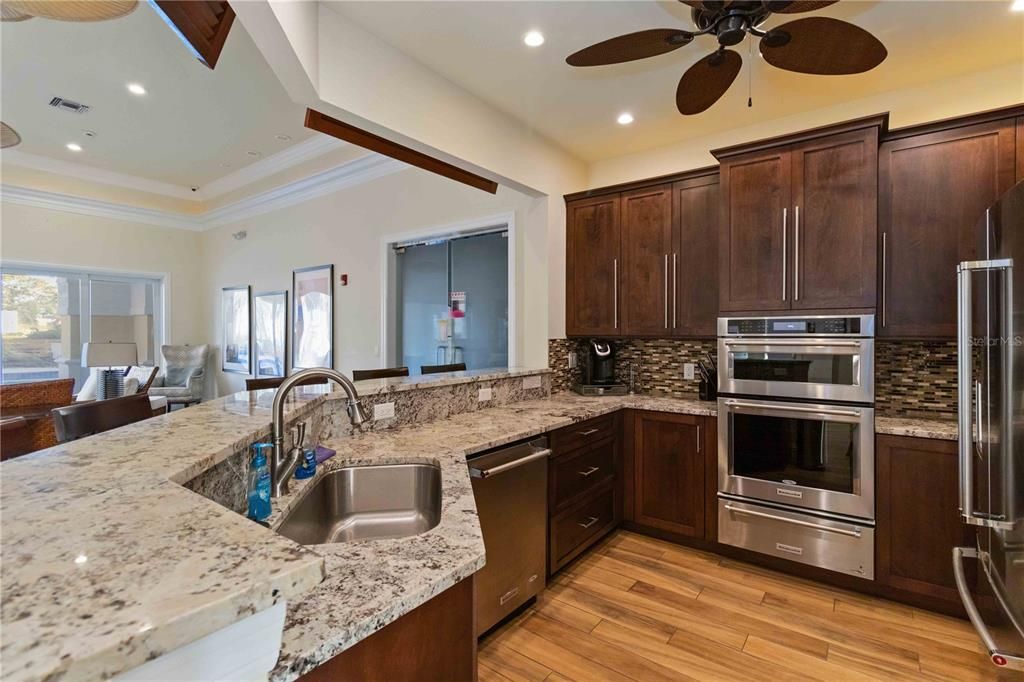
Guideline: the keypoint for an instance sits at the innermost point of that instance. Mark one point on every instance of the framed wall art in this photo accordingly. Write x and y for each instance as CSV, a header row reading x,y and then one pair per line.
x,y
313,317
270,332
236,314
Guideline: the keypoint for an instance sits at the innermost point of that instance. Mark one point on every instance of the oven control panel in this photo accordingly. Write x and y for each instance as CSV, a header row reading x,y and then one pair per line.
x,y
854,325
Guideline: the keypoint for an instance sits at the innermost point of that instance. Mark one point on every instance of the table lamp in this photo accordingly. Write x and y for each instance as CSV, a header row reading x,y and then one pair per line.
x,y
109,355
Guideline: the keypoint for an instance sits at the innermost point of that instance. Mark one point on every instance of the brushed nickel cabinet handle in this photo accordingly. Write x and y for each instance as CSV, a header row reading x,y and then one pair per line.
x,y
589,472
698,437
588,523
675,289
884,259
615,290
784,254
588,432
666,291
796,254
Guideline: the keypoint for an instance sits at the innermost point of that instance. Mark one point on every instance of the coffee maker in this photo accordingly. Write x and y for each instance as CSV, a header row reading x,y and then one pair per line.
x,y
599,370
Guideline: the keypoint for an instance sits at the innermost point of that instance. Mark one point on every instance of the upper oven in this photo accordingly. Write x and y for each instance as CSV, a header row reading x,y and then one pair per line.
x,y
815,358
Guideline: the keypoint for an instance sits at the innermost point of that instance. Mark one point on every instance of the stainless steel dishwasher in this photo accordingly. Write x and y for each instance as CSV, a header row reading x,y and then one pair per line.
x,y
511,489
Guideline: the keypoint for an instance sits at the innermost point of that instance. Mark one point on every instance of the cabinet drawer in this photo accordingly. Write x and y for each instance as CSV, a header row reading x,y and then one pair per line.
x,y
578,527
834,545
584,433
580,471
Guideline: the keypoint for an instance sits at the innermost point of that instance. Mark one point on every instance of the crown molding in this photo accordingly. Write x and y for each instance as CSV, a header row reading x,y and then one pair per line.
x,y
318,145
356,172
26,196
92,174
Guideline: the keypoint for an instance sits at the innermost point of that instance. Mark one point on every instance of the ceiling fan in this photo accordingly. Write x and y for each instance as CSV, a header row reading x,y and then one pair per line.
x,y
814,45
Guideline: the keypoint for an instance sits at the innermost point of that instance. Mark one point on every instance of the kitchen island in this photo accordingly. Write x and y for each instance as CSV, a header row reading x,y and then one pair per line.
x,y
109,562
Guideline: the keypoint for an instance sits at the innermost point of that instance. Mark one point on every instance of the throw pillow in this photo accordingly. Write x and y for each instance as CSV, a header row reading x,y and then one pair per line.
x,y
131,386
88,391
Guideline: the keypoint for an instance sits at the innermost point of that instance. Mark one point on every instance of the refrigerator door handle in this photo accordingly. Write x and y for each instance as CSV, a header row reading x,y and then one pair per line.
x,y
999,658
967,385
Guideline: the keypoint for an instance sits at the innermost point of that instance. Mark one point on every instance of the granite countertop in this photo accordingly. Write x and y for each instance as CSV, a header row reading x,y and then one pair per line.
x,y
108,561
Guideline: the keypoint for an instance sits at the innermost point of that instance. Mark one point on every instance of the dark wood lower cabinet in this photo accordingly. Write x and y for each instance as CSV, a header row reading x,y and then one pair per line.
x,y
918,523
668,470
434,641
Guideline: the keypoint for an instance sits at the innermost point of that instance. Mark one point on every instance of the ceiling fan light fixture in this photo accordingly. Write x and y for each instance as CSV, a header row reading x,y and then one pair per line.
x,y
731,30
776,38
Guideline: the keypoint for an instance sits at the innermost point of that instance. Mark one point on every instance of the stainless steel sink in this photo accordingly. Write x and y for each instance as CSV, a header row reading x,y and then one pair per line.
x,y
367,502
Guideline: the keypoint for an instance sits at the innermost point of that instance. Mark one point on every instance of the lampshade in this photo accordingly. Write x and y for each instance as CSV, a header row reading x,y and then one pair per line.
x,y
109,354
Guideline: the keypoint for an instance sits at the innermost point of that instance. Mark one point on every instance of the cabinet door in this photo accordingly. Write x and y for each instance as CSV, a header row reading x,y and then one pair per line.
x,y
753,272
694,278
1020,149
646,251
592,266
933,190
835,221
668,461
918,522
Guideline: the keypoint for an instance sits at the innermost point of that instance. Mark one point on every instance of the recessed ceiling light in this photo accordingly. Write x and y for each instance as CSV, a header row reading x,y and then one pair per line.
x,y
625,118
534,38
74,146
136,89
283,138
89,133
1017,6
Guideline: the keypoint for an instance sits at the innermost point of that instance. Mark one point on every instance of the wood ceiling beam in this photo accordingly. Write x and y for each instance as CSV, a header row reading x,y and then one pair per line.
x,y
357,136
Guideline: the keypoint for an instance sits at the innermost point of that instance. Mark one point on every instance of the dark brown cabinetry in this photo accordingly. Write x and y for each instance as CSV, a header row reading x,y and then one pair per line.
x,y
647,240
1020,148
798,221
584,487
668,472
695,209
660,277
917,519
592,266
934,187
438,636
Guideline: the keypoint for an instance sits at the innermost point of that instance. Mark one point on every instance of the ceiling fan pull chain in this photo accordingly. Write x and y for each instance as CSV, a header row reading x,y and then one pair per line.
x,y
750,69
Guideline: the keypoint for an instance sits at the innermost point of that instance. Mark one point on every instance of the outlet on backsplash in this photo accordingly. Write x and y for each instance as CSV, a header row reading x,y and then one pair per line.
x,y
484,395
383,411
689,370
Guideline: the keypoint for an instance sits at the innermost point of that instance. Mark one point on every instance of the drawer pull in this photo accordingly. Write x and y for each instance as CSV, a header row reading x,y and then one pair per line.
x,y
855,533
588,432
588,523
588,472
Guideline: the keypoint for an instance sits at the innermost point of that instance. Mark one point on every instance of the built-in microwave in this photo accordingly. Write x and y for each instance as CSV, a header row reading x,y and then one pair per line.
x,y
815,358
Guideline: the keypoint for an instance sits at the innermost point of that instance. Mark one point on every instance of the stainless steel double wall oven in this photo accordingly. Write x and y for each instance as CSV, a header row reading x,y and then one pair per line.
x,y
796,439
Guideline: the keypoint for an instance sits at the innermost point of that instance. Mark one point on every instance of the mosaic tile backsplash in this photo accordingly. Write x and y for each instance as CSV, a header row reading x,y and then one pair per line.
x,y
912,378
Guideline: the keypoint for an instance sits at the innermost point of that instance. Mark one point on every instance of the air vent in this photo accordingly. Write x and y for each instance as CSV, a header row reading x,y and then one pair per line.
x,y
68,105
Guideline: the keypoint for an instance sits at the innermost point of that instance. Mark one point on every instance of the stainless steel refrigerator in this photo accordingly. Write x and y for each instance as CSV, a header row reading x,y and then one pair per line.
x,y
991,416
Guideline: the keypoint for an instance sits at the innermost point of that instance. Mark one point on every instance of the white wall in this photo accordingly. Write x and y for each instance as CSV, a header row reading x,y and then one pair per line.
x,y
348,229
41,235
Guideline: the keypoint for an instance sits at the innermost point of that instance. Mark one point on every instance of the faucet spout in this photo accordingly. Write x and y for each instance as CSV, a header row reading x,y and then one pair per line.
x,y
282,467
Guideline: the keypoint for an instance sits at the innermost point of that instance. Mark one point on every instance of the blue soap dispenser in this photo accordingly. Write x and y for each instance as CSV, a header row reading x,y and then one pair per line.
x,y
259,483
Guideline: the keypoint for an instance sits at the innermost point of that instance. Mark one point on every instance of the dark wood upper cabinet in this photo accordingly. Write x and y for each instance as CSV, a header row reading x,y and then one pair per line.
x,y
915,532
1020,148
752,247
799,220
694,276
668,472
647,238
592,266
835,219
934,187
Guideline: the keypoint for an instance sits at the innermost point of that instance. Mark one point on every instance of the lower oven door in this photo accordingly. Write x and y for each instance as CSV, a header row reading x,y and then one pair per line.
x,y
820,457
816,541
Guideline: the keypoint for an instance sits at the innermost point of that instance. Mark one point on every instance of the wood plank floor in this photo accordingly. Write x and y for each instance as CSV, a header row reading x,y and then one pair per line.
x,y
640,609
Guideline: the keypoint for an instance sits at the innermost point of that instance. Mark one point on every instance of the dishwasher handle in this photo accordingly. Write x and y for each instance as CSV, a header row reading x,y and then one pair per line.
x,y
534,455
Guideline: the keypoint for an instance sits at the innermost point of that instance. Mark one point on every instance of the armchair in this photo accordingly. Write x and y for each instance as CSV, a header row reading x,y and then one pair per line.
x,y
182,380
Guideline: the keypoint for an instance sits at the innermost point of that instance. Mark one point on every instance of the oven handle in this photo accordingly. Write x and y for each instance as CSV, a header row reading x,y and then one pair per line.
x,y
771,341
792,408
796,522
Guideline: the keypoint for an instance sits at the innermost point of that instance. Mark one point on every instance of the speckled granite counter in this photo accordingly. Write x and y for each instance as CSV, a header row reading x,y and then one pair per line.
x,y
109,562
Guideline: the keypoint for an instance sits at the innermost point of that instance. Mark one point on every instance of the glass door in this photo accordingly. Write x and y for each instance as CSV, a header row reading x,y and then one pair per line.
x,y
451,297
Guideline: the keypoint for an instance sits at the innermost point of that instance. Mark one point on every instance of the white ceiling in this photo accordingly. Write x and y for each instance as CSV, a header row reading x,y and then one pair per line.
x,y
478,45
194,125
